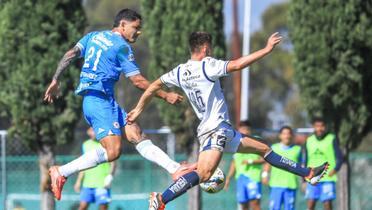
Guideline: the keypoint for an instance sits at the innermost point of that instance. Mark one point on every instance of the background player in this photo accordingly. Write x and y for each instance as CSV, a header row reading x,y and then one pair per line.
x,y
322,145
199,79
107,55
283,184
247,170
96,181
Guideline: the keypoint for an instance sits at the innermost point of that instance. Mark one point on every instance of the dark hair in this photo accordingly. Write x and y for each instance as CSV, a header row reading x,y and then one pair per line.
x,y
246,123
197,39
317,119
126,14
286,127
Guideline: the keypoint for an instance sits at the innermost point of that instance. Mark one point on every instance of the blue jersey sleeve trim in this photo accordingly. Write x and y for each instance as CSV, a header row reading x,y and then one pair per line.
x,y
225,67
205,74
178,76
132,73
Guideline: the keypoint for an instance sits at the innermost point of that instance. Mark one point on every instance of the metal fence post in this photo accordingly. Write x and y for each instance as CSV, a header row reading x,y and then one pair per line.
x,y
3,167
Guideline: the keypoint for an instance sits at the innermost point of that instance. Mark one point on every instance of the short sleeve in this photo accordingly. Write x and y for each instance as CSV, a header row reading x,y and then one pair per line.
x,y
214,69
171,78
83,42
127,62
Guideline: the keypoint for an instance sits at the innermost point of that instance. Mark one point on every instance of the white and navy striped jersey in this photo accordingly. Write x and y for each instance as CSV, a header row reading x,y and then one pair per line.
x,y
200,82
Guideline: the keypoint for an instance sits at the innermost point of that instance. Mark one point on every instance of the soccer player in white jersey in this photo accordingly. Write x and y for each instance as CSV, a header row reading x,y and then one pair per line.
x,y
199,80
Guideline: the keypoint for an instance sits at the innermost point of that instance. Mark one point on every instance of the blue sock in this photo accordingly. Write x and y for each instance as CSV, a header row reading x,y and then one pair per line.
x,y
180,186
286,164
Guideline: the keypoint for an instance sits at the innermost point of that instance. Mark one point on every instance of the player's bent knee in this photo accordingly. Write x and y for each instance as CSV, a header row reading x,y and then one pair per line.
x,y
113,152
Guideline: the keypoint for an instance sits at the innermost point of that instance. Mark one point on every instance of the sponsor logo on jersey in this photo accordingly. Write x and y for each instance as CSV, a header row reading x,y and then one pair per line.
x,y
116,124
130,57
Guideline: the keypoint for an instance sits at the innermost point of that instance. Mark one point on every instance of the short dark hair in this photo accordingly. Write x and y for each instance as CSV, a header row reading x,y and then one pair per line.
x,y
197,39
286,127
318,119
246,123
126,14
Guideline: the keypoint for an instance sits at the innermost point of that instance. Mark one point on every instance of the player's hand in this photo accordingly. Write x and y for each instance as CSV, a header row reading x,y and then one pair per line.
x,y
52,91
133,115
332,173
303,187
227,184
77,187
273,40
265,181
107,181
173,98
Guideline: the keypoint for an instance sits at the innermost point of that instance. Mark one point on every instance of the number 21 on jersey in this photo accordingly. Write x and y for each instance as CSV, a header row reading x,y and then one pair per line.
x,y
91,53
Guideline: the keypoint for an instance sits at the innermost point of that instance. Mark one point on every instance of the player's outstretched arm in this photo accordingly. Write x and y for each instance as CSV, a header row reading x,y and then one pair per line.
x,y
142,83
144,100
69,56
242,62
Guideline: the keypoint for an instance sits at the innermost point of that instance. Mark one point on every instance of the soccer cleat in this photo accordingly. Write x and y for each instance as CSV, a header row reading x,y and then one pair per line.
x,y
183,169
57,181
156,202
317,173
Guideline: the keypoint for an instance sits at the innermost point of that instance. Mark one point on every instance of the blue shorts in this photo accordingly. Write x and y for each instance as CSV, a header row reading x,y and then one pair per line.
x,y
95,195
281,195
323,191
103,114
247,189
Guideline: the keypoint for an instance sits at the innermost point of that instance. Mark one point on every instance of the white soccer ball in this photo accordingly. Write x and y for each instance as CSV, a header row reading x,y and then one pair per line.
x,y
215,183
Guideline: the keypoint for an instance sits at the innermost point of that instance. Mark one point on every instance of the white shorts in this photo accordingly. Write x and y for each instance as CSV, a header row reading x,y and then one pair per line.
x,y
223,138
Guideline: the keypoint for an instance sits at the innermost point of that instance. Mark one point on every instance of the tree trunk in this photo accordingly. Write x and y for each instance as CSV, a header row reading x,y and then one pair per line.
x,y
46,159
194,202
344,184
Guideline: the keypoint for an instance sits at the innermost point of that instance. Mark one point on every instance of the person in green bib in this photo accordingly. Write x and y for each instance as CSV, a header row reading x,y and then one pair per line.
x,y
96,181
282,184
319,147
247,170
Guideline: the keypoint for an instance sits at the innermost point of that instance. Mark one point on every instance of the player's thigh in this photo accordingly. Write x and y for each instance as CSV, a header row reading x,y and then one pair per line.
x,y
103,114
249,144
276,198
207,163
133,133
254,190
328,191
103,207
241,189
86,197
289,199
102,196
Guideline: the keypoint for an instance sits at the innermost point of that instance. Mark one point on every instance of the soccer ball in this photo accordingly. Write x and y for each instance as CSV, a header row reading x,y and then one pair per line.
x,y
215,183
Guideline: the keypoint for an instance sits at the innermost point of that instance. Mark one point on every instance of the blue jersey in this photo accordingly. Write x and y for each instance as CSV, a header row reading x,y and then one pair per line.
x,y
106,55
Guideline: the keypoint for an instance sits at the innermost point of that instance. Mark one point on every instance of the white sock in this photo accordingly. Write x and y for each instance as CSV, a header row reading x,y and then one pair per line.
x,y
88,160
154,154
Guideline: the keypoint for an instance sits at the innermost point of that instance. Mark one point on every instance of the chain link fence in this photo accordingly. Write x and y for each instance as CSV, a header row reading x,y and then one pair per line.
x,y
136,177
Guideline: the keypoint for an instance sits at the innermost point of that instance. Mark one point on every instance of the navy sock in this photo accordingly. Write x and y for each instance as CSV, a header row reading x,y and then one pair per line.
x,y
286,164
180,186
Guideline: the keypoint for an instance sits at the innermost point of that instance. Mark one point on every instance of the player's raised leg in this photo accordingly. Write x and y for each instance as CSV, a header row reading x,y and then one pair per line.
x,y
207,163
109,152
249,144
153,153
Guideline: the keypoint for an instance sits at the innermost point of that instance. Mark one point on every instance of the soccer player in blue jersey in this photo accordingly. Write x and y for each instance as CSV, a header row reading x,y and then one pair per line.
x,y
107,55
